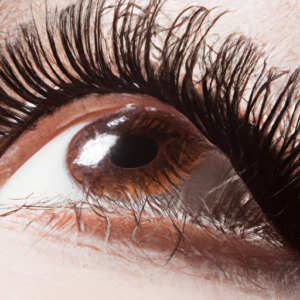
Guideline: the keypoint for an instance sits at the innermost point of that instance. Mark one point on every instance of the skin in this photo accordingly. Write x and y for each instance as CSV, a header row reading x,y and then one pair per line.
x,y
55,267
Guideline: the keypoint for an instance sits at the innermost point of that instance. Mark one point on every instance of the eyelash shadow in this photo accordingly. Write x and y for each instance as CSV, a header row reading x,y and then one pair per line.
x,y
234,104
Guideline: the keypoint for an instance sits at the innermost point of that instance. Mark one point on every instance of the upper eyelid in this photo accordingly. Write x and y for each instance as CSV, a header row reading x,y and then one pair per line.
x,y
12,81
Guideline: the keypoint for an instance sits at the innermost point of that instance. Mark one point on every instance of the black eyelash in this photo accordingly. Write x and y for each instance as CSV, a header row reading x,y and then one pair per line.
x,y
235,103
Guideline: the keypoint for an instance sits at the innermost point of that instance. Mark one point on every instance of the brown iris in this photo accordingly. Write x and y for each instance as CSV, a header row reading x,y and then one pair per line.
x,y
136,151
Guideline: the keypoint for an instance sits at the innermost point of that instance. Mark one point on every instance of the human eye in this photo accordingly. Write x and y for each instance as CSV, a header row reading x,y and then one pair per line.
x,y
218,195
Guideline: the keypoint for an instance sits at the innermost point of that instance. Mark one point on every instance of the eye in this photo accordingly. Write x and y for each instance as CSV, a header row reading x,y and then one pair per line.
x,y
148,150
173,166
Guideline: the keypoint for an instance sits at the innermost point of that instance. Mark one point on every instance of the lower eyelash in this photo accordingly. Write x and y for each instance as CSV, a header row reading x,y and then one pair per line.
x,y
203,251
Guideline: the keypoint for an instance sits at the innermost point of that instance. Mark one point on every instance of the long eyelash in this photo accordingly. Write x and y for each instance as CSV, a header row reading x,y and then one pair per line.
x,y
227,91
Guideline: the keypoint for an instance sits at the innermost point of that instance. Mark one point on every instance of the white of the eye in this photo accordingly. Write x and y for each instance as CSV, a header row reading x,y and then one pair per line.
x,y
94,150
45,174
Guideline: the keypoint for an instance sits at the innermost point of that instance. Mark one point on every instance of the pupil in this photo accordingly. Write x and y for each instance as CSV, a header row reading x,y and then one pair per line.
x,y
133,151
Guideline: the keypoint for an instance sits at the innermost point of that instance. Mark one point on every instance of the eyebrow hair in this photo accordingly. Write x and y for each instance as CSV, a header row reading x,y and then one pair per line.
x,y
40,76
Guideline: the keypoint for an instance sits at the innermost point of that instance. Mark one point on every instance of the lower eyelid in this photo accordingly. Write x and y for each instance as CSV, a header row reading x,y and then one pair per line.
x,y
64,272
204,251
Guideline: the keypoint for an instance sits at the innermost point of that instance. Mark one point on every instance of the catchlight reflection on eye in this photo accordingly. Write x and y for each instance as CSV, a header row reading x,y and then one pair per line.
x,y
137,151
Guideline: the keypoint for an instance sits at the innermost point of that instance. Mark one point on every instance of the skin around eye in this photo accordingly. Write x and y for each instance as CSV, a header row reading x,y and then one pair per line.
x,y
82,282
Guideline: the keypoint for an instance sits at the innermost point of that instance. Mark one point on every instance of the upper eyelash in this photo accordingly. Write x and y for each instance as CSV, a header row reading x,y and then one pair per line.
x,y
213,104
